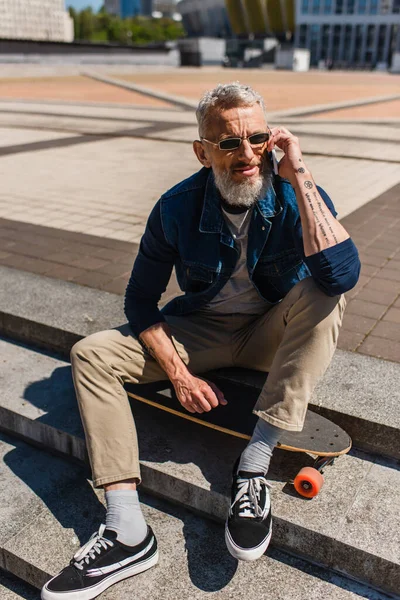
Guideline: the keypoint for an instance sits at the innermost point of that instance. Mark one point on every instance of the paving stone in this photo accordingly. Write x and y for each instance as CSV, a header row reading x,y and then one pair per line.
x,y
357,323
394,264
116,286
381,348
65,272
115,269
377,297
379,283
90,262
372,259
388,330
349,340
390,274
393,314
368,270
26,263
365,309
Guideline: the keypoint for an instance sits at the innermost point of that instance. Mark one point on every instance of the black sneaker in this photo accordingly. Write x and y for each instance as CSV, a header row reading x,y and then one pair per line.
x,y
100,563
248,528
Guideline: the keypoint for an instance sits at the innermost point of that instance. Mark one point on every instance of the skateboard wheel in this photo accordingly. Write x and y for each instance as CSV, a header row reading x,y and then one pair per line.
x,y
308,482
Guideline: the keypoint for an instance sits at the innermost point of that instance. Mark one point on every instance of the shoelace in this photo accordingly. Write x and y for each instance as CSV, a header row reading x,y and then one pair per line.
x,y
91,548
248,497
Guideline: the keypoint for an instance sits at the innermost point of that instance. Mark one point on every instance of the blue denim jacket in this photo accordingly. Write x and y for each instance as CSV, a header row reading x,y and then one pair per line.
x,y
186,229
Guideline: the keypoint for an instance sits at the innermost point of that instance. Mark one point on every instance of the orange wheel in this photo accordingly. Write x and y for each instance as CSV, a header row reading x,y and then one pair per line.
x,y
308,482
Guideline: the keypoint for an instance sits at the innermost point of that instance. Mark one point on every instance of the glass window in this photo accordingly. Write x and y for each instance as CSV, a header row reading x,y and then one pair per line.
x,y
373,7
316,7
381,43
396,7
339,7
325,41
362,7
304,7
350,7
303,36
359,36
370,36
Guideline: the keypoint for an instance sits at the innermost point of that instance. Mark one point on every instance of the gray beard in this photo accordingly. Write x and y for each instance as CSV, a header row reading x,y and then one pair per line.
x,y
244,194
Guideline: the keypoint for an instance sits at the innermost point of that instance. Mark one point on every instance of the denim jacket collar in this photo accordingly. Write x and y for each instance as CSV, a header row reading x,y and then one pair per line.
x,y
212,220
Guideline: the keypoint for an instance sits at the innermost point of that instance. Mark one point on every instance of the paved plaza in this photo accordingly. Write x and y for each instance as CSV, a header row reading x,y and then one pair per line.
x,y
83,161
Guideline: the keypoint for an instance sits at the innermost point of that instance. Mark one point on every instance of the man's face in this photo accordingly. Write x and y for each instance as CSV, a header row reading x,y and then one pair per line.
x,y
241,175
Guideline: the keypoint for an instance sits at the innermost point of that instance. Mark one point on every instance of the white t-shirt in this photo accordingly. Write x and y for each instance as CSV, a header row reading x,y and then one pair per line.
x,y
238,294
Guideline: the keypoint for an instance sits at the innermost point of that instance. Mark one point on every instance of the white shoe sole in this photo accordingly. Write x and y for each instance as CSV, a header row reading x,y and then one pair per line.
x,y
94,591
247,554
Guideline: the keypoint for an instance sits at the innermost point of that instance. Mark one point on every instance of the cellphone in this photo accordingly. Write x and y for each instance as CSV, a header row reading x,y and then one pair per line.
x,y
274,161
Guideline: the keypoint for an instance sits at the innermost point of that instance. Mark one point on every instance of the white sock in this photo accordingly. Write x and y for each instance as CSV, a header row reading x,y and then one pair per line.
x,y
256,456
125,516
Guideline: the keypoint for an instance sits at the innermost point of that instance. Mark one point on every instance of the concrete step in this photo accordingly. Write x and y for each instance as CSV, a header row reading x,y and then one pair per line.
x,y
353,526
360,393
47,510
13,588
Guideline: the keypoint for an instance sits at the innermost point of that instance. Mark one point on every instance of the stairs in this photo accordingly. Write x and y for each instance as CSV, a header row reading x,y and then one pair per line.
x,y
47,508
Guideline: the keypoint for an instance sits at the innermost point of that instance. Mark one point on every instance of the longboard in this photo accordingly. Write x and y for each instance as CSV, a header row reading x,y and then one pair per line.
x,y
319,437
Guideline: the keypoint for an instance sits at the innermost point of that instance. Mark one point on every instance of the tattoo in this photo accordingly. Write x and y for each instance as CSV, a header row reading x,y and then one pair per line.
x,y
308,184
301,170
323,213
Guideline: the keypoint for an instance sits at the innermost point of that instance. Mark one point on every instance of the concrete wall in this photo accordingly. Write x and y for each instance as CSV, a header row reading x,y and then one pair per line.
x,y
80,53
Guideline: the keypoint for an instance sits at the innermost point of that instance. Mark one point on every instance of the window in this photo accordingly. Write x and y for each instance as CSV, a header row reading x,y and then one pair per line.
x,y
370,37
373,7
325,41
347,48
304,7
336,42
381,43
328,7
362,7
339,7
350,7
314,39
359,38
316,7
396,7
303,36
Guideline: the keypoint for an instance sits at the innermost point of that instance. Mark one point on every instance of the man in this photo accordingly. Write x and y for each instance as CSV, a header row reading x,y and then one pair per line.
x,y
263,264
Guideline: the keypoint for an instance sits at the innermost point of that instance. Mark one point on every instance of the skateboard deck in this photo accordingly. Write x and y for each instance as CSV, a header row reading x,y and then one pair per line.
x,y
319,436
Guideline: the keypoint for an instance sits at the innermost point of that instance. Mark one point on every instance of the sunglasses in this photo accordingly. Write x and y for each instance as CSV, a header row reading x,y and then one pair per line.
x,y
257,139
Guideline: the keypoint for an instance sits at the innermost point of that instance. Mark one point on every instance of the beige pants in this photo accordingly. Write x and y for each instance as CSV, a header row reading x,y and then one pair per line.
x,y
294,341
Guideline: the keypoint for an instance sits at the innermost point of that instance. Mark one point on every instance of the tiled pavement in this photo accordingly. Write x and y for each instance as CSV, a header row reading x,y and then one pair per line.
x,y
55,197
372,319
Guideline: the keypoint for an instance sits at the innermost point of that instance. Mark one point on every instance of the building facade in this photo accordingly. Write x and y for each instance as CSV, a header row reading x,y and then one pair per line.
x,y
349,33
338,33
35,20
129,8
208,18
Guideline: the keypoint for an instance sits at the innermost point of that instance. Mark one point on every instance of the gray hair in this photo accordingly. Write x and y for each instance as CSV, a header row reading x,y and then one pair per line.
x,y
223,97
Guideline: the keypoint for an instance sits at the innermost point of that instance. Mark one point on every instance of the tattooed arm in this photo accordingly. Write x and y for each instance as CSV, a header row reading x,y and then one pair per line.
x,y
320,228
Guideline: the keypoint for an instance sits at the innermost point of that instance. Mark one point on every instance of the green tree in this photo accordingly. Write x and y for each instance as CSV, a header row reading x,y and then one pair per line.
x,y
86,24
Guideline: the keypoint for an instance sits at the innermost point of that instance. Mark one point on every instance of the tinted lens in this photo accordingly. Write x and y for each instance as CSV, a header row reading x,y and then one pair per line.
x,y
230,143
258,138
